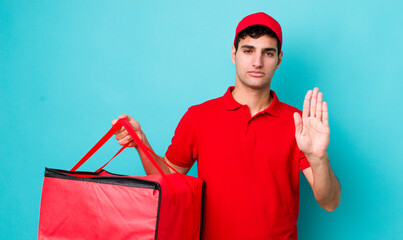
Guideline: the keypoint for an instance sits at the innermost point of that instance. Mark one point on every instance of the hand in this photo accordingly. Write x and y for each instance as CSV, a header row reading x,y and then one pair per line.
x,y
312,131
123,136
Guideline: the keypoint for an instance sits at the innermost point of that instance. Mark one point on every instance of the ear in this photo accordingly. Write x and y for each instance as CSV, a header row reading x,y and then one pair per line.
x,y
233,51
280,58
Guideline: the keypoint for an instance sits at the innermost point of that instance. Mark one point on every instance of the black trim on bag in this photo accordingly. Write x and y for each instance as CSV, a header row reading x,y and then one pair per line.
x,y
121,180
158,215
202,208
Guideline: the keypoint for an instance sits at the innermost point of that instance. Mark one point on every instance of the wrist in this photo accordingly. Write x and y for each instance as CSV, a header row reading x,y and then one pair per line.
x,y
318,159
142,138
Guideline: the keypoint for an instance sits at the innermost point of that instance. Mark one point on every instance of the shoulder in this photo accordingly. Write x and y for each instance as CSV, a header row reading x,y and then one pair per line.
x,y
288,110
281,109
207,106
200,113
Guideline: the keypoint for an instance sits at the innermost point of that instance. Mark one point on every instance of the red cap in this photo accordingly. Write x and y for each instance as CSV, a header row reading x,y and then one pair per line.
x,y
261,19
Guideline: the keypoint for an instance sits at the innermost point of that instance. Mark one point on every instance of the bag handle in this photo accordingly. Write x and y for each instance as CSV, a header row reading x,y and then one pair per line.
x,y
120,150
125,123
97,146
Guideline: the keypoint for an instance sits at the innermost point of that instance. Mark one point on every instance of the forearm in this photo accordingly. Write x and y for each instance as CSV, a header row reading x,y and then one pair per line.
x,y
148,166
326,187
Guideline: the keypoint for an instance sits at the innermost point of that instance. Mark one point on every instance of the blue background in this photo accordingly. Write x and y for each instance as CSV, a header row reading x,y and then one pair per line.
x,y
67,68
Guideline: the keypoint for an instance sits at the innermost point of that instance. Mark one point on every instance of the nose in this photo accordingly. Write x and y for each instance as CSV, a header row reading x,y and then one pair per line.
x,y
257,60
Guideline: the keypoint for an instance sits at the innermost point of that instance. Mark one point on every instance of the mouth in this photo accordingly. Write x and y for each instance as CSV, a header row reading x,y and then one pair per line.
x,y
256,73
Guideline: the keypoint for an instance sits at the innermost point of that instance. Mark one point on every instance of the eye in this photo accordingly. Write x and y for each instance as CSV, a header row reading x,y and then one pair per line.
x,y
269,54
247,51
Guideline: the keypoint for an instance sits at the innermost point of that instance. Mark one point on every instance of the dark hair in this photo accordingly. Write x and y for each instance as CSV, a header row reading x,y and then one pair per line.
x,y
256,31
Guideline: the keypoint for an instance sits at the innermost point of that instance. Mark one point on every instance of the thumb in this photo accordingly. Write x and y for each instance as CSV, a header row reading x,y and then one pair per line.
x,y
298,123
123,116
126,116
135,124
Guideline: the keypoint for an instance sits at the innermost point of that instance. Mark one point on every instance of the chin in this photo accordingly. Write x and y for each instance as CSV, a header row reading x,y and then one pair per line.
x,y
254,82
258,85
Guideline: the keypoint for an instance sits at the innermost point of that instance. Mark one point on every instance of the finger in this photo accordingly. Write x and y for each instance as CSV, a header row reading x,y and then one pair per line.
x,y
298,123
126,116
123,116
121,135
115,120
305,108
325,118
313,102
125,140
133,121
122,129
319,106
305,122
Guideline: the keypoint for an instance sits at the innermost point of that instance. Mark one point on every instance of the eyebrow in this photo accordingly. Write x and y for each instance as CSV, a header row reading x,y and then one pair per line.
x,y
265,49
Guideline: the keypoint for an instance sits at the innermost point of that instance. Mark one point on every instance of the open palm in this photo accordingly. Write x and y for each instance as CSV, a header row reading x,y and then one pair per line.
x,y
312,130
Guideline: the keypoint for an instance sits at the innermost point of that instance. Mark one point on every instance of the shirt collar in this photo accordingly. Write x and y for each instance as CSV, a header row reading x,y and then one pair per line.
x,y
274,108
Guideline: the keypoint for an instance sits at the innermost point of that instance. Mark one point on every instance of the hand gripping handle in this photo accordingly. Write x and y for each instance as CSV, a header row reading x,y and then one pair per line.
x,y
125,123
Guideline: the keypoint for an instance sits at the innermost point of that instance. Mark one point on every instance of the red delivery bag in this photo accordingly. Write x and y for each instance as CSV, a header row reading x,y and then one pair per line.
x,y
103,205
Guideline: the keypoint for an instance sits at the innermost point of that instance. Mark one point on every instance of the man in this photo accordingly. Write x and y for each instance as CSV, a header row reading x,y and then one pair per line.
x,y
250,146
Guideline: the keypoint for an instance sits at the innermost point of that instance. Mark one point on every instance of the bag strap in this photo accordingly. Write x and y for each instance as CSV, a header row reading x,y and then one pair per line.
x,y
120,150
125,123
98,145
121,122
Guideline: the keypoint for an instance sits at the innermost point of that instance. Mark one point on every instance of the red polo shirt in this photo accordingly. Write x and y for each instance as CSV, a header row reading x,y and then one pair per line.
x,y
250,166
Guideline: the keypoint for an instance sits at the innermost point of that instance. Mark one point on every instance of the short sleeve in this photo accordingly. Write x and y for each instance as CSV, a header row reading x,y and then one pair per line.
x,y
303,161
183,150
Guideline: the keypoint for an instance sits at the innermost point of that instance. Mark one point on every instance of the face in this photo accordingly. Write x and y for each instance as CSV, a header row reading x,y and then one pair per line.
x,y
256,61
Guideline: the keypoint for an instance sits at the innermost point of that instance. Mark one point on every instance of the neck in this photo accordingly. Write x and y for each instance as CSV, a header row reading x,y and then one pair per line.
x,y
256,99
